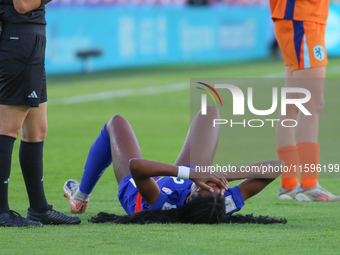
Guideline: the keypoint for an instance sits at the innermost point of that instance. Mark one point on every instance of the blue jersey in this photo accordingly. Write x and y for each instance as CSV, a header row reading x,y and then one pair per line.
x,y
173,194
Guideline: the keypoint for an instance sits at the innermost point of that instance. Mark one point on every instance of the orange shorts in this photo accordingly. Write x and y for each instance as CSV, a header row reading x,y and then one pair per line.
x,y
302,43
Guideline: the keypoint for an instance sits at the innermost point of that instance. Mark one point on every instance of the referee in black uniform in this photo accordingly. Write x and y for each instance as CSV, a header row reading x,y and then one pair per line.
x,y
23,107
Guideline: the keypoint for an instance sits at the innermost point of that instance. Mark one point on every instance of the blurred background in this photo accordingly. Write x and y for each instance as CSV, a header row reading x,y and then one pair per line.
x,y
99,35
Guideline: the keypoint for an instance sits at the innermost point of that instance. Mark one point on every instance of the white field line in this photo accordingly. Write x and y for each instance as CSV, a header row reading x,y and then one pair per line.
x,y
120,93
148,91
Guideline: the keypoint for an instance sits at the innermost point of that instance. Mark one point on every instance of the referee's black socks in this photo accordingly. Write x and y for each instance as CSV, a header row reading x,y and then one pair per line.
x,y
31,162
6,148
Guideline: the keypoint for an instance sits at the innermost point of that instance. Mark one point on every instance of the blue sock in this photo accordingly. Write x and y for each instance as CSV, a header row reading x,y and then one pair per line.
x,y
98,160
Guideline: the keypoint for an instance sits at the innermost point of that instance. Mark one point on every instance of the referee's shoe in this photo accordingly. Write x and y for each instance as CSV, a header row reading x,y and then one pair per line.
x,y
14,219
52,217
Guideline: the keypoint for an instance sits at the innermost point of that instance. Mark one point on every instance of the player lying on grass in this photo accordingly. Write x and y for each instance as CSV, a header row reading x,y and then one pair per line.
x,y
190,198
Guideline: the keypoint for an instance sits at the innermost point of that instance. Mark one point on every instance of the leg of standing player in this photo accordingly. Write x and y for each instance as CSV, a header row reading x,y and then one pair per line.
x,y
285,140
11,120
33,123
306,132
312,79
34,130
302,47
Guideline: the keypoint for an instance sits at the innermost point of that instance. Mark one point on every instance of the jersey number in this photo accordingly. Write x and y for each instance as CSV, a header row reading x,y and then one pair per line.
x,y
178,181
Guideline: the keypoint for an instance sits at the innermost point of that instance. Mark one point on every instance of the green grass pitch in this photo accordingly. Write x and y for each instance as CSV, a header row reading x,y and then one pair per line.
x,y
161,122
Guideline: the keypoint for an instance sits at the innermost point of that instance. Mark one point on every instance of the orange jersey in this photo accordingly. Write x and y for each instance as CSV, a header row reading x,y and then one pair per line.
x,y
300,10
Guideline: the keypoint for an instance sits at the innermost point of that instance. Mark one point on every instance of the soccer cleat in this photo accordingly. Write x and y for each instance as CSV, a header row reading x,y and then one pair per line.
x,y
70,188
14,219
77,206
288,193
315,194
52,217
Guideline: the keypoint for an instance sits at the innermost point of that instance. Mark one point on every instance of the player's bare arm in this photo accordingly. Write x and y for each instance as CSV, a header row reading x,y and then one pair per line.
x,y
143,170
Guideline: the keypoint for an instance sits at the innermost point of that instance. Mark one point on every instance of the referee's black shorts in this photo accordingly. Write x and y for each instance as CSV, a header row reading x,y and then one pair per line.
x,y
22,65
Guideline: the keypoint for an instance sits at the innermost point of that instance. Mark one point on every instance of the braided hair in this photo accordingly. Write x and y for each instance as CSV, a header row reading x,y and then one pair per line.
x,y
199,210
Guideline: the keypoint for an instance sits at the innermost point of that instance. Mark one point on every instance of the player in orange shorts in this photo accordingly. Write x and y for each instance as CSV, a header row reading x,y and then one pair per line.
x,y
300,27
